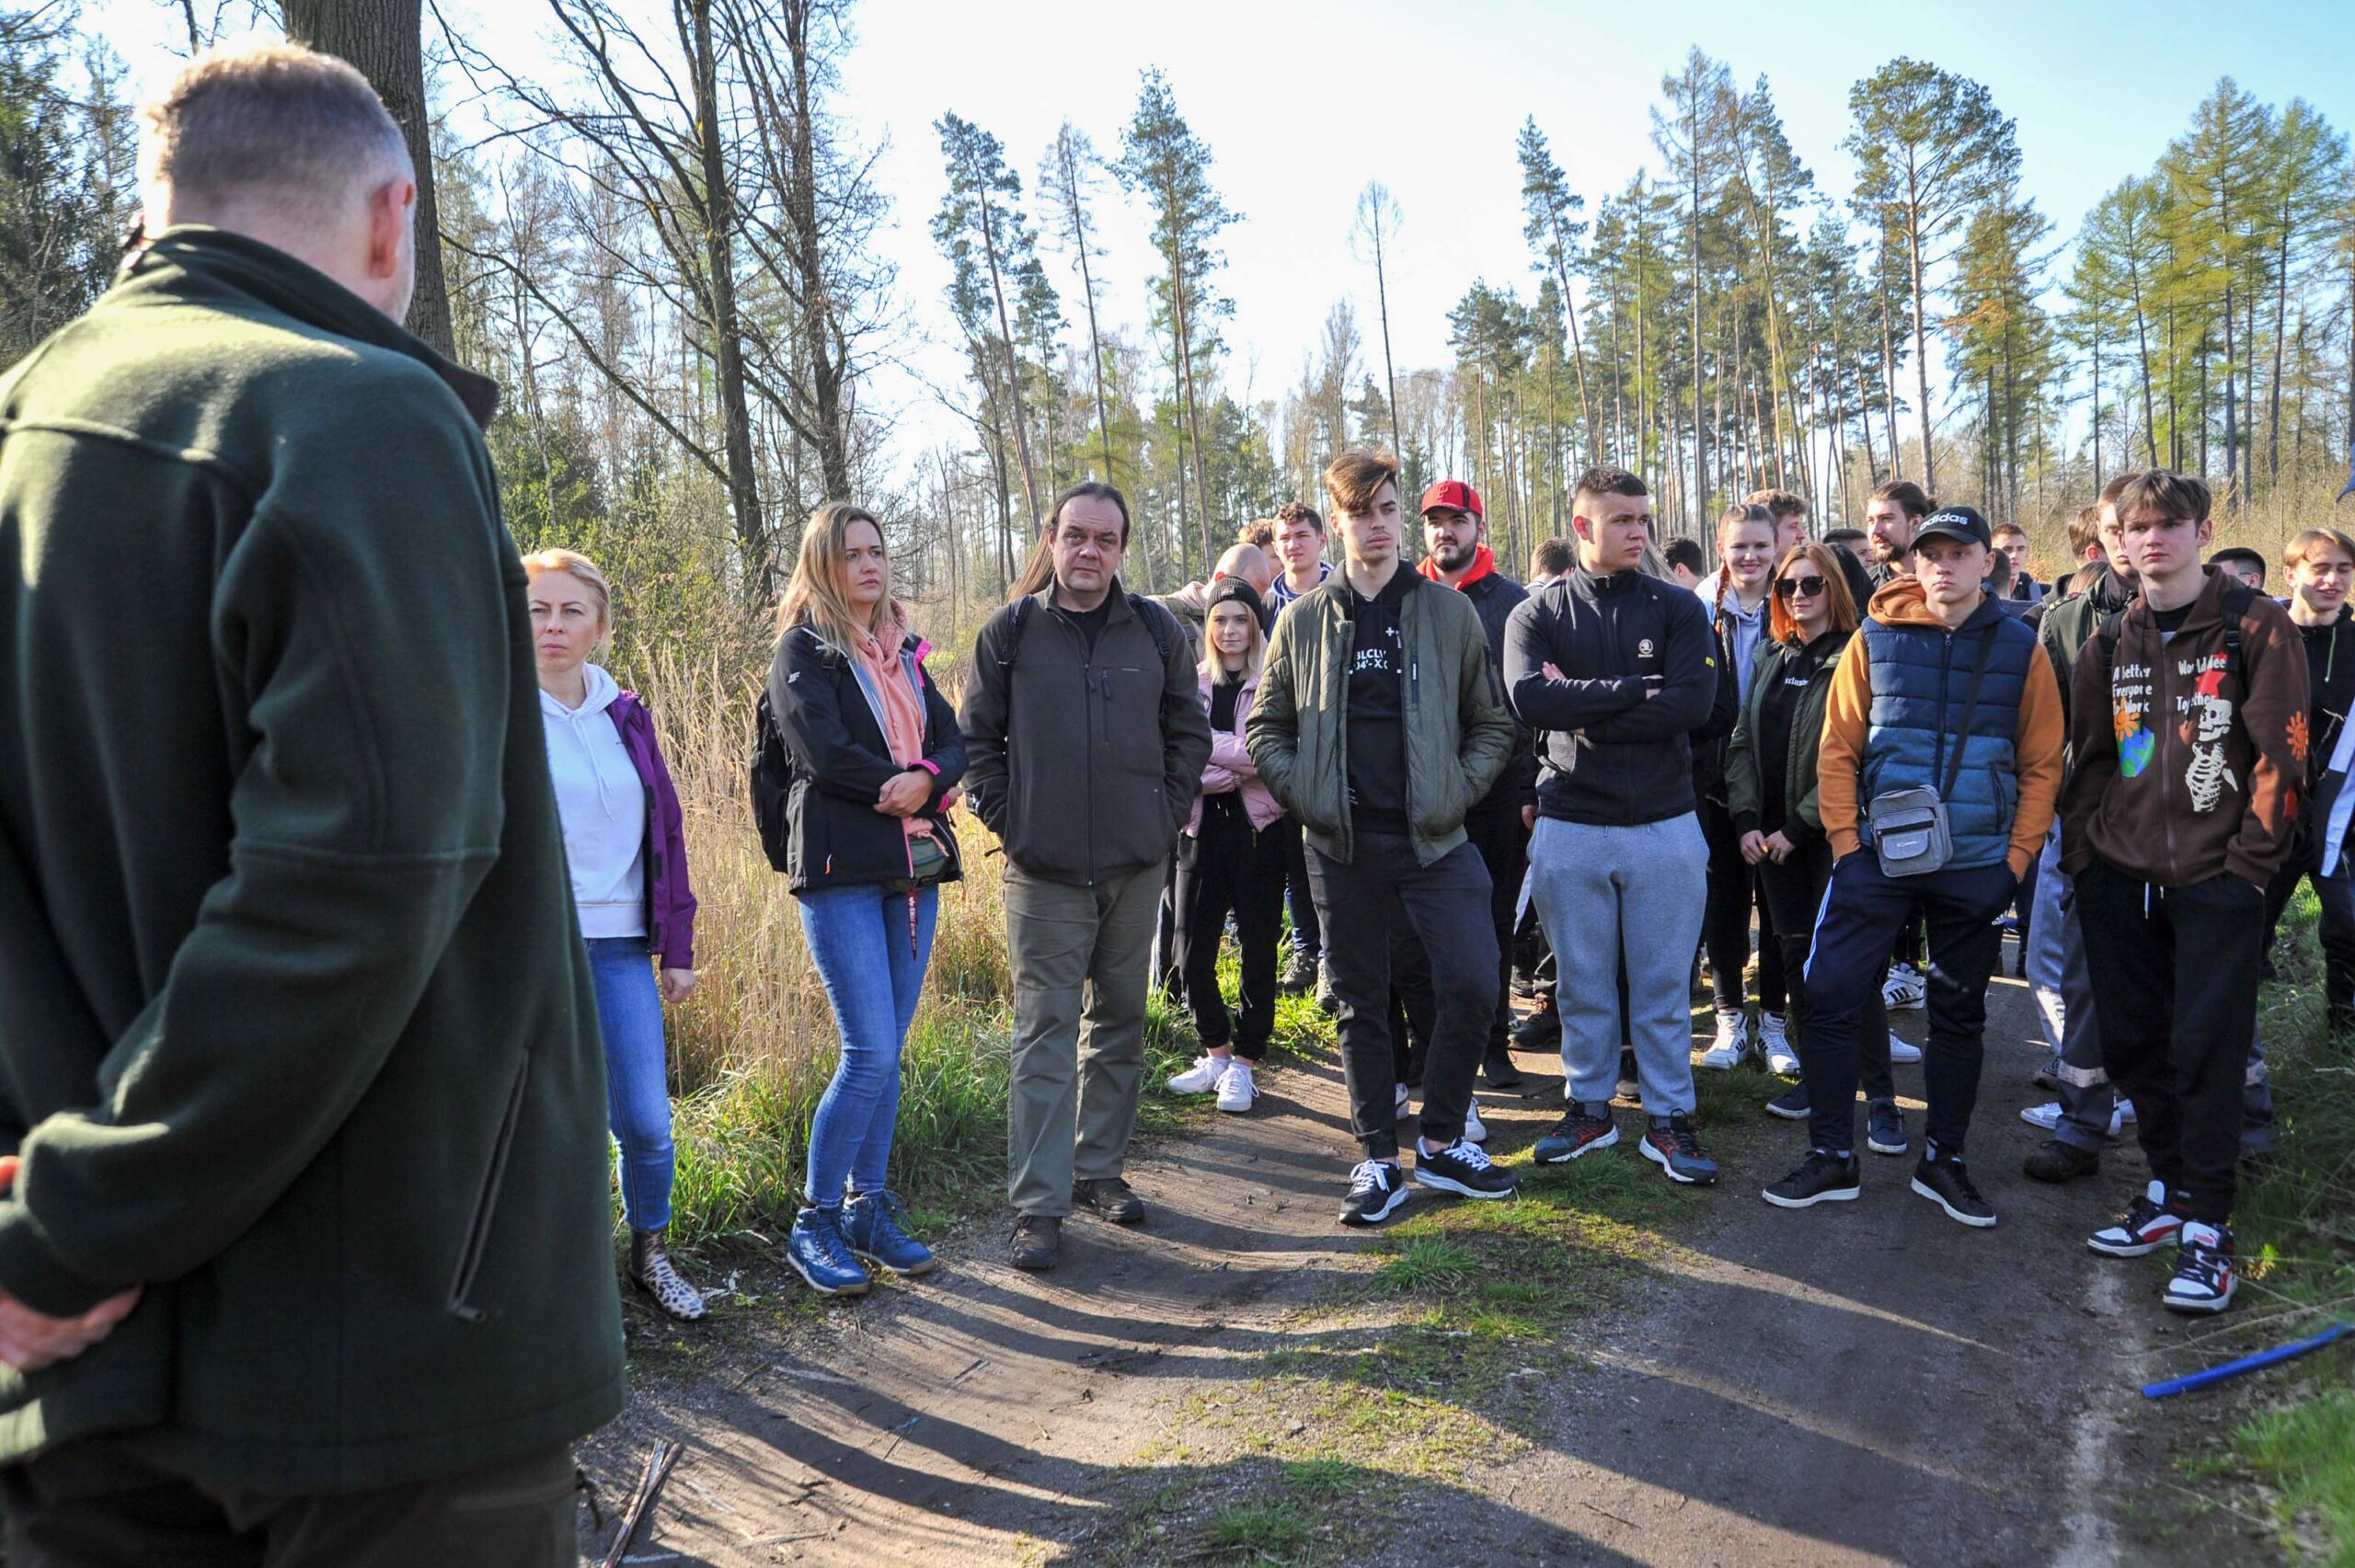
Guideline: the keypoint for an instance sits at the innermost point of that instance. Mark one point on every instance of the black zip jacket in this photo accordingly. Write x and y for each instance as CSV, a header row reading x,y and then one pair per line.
x,y
1084,762
1641,679
1495,597
841,760
2330,679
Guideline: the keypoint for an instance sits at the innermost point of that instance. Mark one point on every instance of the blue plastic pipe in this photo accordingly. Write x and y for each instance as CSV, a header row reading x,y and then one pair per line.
x,y
2247,1364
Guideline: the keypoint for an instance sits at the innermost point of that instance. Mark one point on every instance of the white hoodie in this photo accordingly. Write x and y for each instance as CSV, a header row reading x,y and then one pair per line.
x,y
602,805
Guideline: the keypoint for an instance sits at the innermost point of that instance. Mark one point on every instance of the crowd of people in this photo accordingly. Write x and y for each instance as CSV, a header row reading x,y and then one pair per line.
x,y
342,891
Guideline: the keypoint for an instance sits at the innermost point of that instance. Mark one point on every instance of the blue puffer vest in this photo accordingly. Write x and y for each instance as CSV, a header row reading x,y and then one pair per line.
x,y
1921,679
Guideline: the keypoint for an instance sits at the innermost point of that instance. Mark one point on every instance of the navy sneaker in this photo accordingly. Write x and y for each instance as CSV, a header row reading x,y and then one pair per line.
x,y
1465,1169
815,1249
1669,1143
1585,1128
1822,1177
1376,1189
1943,1180
1791,1105
2149,1222
872,1230
2203,1270
1884,1128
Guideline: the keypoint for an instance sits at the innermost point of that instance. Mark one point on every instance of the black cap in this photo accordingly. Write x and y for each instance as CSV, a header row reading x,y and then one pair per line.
x,y
1238,588
1961,524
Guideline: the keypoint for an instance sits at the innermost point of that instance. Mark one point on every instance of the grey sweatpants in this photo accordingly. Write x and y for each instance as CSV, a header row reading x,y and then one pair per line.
x,y
1636,893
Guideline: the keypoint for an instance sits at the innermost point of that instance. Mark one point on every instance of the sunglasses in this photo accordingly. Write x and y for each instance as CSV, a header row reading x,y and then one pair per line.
x,y
1794,588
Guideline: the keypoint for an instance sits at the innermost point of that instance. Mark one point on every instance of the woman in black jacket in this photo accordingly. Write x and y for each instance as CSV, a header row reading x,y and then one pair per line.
x,y
875,755
1771,790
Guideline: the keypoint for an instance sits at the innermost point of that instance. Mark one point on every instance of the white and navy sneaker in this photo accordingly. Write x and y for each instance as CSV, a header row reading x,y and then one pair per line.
x,y
1463,1168
1732,1044
1376,1189
1236,1088
1199,1079
2148,1224
1774,1039
2203,1270
1670,1143
1904,987
2048,1116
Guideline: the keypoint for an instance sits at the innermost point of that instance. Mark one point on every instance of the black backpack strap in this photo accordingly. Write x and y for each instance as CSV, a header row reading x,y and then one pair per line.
x,y
2238,597
1013,644
1154,619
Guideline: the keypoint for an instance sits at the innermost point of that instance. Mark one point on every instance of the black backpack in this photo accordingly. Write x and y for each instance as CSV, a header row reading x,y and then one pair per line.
x,y
1156,621
770,773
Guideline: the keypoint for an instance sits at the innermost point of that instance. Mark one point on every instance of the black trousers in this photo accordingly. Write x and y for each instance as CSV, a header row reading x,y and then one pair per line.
x,y
2337,928
1307,931
1734,892
1413,1010
1361,903
1496,832
92,1504
1794,892
2176,969
1224,869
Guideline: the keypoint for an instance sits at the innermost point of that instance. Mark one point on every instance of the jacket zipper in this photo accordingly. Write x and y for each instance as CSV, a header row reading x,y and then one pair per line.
x,y
486,1202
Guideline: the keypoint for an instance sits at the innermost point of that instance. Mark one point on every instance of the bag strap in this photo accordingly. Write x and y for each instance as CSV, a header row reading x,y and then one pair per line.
x,y
1970,709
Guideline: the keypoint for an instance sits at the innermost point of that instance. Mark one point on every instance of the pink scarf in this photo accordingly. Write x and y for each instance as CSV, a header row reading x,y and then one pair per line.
x,y
902,706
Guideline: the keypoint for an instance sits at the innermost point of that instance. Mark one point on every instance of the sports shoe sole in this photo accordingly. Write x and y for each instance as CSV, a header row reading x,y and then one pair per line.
x,y
1378,1215
1671,1171
1241,1109
1829,1195
1877,1147
1903,1055
1605,1141
2197,1307
858,1289
1976,1221
1438,1183
1789,1067
1801,1114
1712,1059
2094,1243
875,1262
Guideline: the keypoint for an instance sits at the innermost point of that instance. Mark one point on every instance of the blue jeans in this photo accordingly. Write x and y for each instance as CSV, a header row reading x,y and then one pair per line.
x,y
874,973
638,1085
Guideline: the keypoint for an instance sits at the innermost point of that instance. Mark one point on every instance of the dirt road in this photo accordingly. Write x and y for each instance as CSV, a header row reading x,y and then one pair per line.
x,y
1855,1383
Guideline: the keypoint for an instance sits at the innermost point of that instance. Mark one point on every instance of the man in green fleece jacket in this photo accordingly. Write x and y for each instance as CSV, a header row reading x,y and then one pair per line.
x,y
299,1072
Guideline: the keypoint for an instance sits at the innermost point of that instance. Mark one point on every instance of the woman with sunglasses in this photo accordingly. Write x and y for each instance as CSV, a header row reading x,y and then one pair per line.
x,y
1770,785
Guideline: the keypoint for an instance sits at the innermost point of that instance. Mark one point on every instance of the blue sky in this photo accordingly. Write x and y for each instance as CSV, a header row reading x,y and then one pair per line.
x,y
1303,100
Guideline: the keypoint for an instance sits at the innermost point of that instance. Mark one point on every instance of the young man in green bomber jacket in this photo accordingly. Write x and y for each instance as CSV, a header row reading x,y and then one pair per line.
x,y
299,1066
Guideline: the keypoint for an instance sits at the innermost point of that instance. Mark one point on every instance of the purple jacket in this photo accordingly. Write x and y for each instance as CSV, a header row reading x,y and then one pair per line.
x,y
670,902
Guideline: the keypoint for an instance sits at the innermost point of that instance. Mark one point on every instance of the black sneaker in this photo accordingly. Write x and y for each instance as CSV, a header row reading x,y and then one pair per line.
x,y
1110,1197
1376,1189
1942,1179
2054,1161
1499,1072
1669,1143
1631,1083
1577,1133
1791,1105
1822,1177
1541,1031
1465,1169
2203,1270
2145,1227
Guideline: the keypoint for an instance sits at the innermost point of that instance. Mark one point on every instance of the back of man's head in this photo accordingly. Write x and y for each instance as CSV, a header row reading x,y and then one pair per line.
x,y
1248,562
283,144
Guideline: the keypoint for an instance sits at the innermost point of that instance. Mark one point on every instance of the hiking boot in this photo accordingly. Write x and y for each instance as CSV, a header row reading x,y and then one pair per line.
x,y
1037,1243
1943,1179
1584,1130
1110,1197
1631,1081
2053,1161
1822,1177
1238,1090
1904,987
1328,1002
816,1249
1300,973
1463,1168
872,1230
1885,1127
1774,1044
1791,1105
1669,1142
1376,1189
1732,1044
650,1271
1498,1070
1199,1079
2148,1224
2203,1270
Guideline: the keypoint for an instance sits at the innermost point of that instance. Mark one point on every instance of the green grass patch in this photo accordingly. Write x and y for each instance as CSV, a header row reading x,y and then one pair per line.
x,y
1270,1532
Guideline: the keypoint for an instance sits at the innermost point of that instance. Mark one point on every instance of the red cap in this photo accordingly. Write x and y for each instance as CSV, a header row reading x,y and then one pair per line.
x,y
1452,492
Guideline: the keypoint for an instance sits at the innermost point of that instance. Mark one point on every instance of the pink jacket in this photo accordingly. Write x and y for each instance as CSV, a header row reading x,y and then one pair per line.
x,y
1230,766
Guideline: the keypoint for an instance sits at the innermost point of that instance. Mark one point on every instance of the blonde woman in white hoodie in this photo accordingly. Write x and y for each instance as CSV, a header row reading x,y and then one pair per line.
x,y
628,855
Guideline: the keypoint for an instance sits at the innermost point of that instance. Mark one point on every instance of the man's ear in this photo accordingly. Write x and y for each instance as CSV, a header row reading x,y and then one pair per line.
x,y
391,207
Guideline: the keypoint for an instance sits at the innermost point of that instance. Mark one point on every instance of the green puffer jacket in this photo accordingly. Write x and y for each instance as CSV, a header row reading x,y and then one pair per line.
x,y
1745,787
1459,732
297,1032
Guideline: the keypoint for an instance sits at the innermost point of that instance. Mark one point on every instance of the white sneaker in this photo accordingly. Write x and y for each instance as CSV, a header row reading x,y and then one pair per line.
x,y
1199,1078
1775,1041
1732,1043
1402,1102
2121,1117
1904,987
1236,1089
1900,1051
2048,1116
1474,1129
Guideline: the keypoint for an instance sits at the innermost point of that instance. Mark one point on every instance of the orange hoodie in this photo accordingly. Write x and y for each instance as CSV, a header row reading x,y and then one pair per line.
x,y
2037,741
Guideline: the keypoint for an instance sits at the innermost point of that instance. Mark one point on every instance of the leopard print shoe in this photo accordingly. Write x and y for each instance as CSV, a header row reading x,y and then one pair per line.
x,y
650,1271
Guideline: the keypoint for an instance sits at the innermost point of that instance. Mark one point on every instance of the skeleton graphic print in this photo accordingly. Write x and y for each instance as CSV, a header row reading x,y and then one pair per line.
x,y
2212,720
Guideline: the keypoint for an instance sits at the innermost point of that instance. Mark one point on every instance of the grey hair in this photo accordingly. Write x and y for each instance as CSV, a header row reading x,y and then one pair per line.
x,y
268,122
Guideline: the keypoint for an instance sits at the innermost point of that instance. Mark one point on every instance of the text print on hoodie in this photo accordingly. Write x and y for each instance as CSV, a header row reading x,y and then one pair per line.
x,y
602,802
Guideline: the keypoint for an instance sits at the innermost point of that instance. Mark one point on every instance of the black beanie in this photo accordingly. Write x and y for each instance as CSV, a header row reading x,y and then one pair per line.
x,y
1235,588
